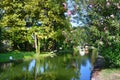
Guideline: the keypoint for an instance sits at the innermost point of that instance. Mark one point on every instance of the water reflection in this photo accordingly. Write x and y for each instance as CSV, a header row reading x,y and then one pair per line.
x,y
31,65
58,68
85,70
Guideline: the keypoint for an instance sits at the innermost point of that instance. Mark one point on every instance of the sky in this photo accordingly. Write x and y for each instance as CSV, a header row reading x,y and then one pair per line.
x,y
76,12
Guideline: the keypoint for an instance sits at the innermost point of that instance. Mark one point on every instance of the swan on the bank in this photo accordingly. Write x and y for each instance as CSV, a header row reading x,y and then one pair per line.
x,y
10,58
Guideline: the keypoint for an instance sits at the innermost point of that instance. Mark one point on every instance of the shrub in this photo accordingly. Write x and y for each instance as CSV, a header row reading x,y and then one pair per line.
x,y
111,55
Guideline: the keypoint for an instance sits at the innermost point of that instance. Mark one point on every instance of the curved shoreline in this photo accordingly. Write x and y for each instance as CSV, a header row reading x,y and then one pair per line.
x,y
97,68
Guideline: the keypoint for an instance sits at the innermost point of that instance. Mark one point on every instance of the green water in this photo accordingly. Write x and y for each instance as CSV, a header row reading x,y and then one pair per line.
x,y
66,67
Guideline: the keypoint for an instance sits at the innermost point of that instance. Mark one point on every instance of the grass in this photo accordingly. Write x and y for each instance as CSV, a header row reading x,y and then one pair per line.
x,y
17,55
109,74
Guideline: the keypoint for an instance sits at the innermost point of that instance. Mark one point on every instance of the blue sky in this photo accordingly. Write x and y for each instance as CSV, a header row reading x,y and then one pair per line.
x,y
77,17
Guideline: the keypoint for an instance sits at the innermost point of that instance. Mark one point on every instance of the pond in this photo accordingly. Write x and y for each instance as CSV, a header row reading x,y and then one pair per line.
x,y
65,67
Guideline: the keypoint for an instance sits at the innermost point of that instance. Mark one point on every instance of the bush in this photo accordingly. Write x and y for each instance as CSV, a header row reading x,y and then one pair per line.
x,y
111,55
105,30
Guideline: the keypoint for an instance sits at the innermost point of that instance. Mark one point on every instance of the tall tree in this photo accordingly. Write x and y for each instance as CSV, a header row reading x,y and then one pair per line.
x,y
26,18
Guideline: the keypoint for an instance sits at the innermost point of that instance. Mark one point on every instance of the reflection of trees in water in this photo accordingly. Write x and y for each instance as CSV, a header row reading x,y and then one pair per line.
x,y
4,66
60,67
57,68
84,60
75,64
13,72
85,68
93,58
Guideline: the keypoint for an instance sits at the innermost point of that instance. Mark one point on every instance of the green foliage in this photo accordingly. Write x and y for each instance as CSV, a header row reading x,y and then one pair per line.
x,y
111,55
105,29
23,18
76,36
17,55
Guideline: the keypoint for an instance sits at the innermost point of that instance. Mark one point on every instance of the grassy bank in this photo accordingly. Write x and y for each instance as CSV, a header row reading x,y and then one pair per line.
x,y
17,55
109,74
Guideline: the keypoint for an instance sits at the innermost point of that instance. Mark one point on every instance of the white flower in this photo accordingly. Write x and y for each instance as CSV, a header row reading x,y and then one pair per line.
x,y
112,16
101,43
108,3
118,7
60,48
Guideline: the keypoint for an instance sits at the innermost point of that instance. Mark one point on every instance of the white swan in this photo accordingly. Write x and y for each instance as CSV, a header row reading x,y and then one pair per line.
x,y
10,58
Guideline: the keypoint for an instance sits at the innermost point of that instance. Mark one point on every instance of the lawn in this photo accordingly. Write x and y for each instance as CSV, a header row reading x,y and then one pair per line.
x,y
17,55
109,74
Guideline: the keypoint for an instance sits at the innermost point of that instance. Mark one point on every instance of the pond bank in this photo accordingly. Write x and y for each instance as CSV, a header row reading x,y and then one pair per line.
x,y
99,73
62,67
97,68
5,57
109,74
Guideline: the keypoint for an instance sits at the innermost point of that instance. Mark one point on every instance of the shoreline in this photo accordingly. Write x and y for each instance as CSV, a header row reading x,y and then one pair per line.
x,y
97,68
16,56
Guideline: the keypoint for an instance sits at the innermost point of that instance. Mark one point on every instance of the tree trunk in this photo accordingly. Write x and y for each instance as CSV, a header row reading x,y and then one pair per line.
x,y
37,44
0,40
35,41
38,47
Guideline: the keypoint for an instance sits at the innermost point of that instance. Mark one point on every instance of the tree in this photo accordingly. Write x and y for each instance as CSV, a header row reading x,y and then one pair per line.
x,y
105,30
24,18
